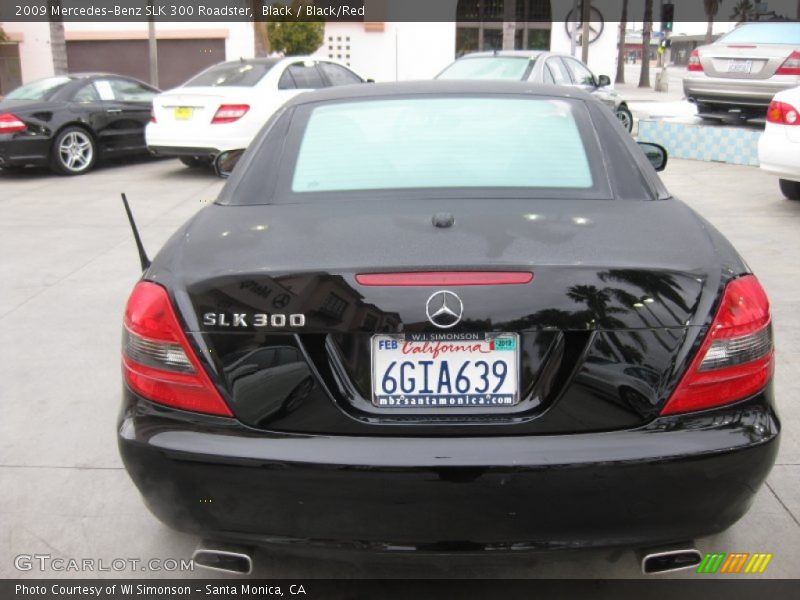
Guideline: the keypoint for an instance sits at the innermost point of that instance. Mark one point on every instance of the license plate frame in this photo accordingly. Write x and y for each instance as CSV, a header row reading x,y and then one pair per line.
x,y
737,65
503,347
183,113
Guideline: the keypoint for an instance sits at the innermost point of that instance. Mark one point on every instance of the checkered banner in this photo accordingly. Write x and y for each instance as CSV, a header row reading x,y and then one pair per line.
x,y
716,143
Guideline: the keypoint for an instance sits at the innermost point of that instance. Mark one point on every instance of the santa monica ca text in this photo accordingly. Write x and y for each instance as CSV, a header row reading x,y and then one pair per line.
x,y
243,589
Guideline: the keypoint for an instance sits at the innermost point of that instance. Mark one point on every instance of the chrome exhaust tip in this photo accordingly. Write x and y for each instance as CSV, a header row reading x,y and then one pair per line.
x,y
223,558
669,559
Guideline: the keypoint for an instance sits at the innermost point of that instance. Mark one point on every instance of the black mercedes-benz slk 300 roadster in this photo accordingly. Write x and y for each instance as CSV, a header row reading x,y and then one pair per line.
x,y
448,316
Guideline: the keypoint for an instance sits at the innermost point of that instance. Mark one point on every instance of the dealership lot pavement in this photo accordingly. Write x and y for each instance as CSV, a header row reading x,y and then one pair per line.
x,y
68,264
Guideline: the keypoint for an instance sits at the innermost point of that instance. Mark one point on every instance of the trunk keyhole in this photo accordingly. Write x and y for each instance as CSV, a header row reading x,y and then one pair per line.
x,y
443,220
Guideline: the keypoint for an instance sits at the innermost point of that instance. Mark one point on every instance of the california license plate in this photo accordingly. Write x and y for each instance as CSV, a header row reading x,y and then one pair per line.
x,y
445,370
184,113
740,66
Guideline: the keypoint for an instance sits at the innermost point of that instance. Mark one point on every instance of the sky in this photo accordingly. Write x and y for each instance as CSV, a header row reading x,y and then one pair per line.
x,y
690,27
696,28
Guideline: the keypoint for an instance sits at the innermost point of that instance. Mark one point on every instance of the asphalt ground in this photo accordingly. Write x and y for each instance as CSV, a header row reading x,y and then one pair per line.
x,y
68,264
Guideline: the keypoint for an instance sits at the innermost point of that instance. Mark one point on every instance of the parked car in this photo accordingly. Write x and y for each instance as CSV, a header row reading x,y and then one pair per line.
x,y
457,264
223,107
779,145
540,67
739,74
68,122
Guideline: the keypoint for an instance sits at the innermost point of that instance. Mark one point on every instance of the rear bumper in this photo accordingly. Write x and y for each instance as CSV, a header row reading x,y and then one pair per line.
x,y
197,139
20,150
676,479
193,151
779,155
736,92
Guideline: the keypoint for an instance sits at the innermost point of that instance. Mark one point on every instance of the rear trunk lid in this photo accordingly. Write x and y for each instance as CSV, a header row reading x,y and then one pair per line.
x,y
621,291
743,60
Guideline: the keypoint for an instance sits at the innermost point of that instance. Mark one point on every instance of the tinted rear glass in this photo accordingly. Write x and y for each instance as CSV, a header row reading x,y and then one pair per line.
x,y
764,33
454,142
488,67
43,89
232,74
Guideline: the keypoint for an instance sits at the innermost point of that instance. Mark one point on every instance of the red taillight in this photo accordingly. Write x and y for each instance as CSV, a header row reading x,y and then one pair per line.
x,y
445,278
782,113
736,359
11,124
153,115
694,61
228,113
157,360
791,66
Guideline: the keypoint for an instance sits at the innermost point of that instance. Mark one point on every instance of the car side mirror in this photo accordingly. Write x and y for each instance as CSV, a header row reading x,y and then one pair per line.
x,y
603,80
370,80
656,154
226,161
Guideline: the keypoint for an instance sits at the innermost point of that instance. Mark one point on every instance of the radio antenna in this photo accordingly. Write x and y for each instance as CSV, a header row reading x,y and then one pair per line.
x,y
139,246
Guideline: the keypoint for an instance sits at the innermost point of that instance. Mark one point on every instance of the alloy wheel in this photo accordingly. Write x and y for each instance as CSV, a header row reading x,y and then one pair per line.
x,y
76,151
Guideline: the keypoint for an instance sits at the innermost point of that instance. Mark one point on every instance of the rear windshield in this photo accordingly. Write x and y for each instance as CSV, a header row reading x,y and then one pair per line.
x,y
455,142
764,33
233,73
488,67
43,89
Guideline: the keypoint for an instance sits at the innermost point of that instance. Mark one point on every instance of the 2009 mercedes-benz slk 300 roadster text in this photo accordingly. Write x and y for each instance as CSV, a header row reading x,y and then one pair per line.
x,y
448,316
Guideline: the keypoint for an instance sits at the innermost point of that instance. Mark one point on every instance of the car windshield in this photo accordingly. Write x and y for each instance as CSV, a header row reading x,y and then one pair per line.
x,y
43,89
487,67
245,74
764,33
452,142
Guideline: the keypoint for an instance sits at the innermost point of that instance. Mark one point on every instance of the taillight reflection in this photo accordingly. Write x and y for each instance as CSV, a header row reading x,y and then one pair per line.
x,y
157,360
791,66
736,359
782,113
11,124
694,61
228,113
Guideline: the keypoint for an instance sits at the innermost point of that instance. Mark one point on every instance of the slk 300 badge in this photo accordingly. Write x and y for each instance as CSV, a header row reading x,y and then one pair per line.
x,y
253,320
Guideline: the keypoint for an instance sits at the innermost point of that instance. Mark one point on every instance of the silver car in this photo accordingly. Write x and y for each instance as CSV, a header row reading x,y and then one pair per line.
x,y
741,72
539,67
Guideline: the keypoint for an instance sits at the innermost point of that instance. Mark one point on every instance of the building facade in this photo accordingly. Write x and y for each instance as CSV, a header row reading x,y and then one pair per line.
x,y
384,51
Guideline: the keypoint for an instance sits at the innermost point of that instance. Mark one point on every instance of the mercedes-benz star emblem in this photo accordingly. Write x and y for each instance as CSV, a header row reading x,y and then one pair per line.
x,y
444,309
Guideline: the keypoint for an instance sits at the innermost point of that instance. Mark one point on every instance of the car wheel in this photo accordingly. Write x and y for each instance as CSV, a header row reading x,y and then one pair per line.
x,y
790,189
625,117
193,162
74,152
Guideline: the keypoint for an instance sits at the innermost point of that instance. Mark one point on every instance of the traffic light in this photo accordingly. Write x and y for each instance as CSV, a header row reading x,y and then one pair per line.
x,y
667,16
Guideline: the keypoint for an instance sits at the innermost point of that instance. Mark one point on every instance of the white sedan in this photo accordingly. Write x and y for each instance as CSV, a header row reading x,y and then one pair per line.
x,y
224,107
779,145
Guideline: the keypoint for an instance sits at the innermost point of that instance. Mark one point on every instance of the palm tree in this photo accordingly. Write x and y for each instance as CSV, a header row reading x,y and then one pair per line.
x,y
647,26
58,45
711,7
660,286
742,11
623,24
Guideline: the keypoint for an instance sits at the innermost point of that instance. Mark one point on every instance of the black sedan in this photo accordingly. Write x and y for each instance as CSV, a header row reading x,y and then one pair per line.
x,y
493,329
68,122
